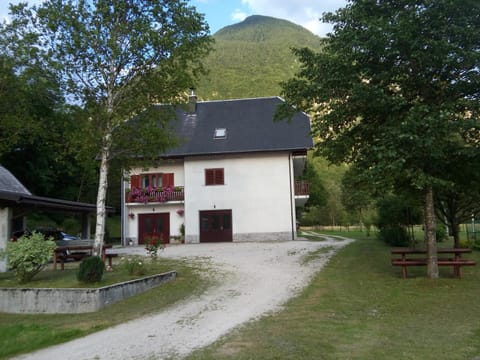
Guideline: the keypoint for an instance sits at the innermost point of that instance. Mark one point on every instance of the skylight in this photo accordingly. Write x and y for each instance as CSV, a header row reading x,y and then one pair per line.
x,y
220,133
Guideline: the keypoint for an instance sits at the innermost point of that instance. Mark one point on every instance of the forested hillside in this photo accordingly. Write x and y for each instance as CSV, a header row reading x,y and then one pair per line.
x,y
251,58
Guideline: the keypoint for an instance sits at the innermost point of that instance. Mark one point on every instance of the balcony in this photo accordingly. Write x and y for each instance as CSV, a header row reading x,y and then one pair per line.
x,y
153,194
302,192
302,188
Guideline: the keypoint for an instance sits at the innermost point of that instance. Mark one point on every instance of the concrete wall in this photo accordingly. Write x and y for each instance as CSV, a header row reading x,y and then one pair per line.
x,y
69,301
5,223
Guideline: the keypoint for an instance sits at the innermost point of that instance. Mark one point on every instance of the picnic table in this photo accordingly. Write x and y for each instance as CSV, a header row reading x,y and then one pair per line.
x,y
416,257
78,251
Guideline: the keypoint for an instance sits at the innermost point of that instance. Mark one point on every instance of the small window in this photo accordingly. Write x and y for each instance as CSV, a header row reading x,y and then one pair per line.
x,y
214,177
220,133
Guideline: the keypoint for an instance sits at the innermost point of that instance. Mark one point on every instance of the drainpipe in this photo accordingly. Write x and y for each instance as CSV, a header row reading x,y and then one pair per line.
x,y
123,213
291,196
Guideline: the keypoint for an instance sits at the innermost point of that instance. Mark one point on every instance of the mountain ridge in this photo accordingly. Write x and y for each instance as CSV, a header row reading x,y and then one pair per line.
x,y
252,57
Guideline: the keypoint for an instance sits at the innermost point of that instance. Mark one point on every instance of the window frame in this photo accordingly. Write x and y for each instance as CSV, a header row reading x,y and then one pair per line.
x,y
214,176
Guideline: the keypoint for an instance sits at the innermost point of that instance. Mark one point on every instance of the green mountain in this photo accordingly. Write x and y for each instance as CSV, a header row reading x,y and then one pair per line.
x,y
251,58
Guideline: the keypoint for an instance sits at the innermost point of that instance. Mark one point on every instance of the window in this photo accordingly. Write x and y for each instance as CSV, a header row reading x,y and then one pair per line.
x,y
214,177
220,133
153,180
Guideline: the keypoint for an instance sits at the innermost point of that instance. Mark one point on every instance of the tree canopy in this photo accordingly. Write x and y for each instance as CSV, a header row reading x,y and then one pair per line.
x,y
395,91
114,58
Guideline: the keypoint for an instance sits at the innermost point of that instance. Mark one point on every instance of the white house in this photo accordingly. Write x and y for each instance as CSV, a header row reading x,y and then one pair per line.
x,y
232,178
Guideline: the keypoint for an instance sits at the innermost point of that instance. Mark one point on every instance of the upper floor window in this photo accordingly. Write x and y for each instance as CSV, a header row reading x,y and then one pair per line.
x,y
214,177
152,180
155,180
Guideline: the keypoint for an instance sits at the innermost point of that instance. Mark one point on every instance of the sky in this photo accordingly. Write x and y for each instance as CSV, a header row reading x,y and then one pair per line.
x,y
221,13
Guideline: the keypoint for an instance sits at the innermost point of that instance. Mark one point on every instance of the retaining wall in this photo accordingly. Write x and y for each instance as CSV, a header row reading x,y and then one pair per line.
x,y
68,301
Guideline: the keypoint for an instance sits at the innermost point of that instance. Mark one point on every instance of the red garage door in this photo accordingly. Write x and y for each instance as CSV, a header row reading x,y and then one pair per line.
x,y
153,225
215,225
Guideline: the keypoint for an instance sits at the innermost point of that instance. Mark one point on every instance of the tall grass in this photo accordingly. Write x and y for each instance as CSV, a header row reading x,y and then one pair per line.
x,y
358,307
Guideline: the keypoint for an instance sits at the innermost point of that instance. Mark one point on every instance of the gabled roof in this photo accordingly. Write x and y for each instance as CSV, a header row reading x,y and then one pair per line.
x,y
245,125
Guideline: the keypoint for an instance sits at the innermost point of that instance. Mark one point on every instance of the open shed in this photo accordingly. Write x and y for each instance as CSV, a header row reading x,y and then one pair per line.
x,y
16,202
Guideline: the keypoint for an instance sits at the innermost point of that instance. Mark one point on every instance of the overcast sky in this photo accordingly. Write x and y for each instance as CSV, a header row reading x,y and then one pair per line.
x,y
220,13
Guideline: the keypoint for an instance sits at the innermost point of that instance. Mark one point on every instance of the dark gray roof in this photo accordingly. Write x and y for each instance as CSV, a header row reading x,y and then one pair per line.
x,y
13,193
9,183
249,128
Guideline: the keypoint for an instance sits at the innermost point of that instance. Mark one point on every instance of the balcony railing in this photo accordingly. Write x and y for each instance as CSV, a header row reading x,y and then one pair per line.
x,y
302,188
154,194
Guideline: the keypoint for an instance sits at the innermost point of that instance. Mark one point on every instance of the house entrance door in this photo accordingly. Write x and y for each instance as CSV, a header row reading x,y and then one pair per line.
x,y
153,225
215,225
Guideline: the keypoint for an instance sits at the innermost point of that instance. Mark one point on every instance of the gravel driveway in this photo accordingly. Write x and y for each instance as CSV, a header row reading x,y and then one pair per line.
x,y
255,278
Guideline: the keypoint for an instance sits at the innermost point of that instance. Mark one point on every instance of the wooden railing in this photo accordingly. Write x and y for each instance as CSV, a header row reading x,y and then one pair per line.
x,y
302,188
145,195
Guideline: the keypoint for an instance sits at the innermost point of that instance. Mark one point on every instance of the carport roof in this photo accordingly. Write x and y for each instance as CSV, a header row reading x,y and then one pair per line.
x,y
13,193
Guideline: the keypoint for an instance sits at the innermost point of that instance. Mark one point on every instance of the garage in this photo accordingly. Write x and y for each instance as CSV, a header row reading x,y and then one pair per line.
x,y
216,226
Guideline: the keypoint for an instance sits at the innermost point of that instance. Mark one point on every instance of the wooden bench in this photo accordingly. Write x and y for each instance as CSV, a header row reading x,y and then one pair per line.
x,y
78,251
109,257
413,259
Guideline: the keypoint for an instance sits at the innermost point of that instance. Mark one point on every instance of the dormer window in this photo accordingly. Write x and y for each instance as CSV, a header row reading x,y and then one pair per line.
x,y
220,133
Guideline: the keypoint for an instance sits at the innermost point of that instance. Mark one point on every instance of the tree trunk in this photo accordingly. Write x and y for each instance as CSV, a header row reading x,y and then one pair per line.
x,y
455,234
101,198
430,234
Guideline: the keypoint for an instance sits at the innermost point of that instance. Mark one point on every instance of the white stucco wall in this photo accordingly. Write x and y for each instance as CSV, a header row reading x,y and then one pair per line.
x,y
5,221
257,189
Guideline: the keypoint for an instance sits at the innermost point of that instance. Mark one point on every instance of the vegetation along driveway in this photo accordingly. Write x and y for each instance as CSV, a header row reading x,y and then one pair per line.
x,y
253,279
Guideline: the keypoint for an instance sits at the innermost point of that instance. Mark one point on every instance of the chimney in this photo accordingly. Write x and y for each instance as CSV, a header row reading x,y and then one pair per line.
x,y
192,102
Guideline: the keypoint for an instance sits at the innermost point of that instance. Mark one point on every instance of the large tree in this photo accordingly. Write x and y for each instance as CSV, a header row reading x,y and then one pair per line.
x,y
395,91
116,58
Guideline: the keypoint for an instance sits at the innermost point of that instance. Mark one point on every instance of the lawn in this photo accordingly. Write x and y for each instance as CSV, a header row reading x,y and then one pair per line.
x,y
358,307
21,333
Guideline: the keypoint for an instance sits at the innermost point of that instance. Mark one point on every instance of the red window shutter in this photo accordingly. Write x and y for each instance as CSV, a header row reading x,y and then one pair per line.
x,y
214,177
134,181
209,177
219,180
168,179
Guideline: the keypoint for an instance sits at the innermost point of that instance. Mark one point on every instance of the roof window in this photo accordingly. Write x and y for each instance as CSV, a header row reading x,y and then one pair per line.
x,y
220,133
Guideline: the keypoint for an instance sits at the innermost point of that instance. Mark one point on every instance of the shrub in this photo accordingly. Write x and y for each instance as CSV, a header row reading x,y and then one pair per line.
x,y
91,270
29,255
394,235
134,265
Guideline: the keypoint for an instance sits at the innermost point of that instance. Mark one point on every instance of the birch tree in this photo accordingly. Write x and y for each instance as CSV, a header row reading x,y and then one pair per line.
x,y
395,91
116,58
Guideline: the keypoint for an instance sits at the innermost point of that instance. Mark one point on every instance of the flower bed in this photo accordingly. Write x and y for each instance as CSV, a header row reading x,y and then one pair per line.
x,y
66,301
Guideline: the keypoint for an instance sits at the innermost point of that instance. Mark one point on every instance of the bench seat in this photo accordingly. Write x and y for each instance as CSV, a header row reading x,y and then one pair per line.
x,y
456,263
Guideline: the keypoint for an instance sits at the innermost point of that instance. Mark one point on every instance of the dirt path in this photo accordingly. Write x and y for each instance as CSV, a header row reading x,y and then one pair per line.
x,y
256,278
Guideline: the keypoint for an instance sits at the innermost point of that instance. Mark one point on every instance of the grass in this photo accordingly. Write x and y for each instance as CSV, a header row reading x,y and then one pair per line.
x,y
358,307
22,333
68,277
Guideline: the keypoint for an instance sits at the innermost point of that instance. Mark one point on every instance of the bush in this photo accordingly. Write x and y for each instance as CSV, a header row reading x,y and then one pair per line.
x,y
134,265
441,233
91,270
29,255
394,236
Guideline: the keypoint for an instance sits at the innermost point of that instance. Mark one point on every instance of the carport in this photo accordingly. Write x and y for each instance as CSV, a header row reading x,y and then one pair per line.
x,y
16,202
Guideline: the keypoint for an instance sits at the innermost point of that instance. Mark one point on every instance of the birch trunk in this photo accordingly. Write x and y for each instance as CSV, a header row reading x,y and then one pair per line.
x,y
101,198
430,234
